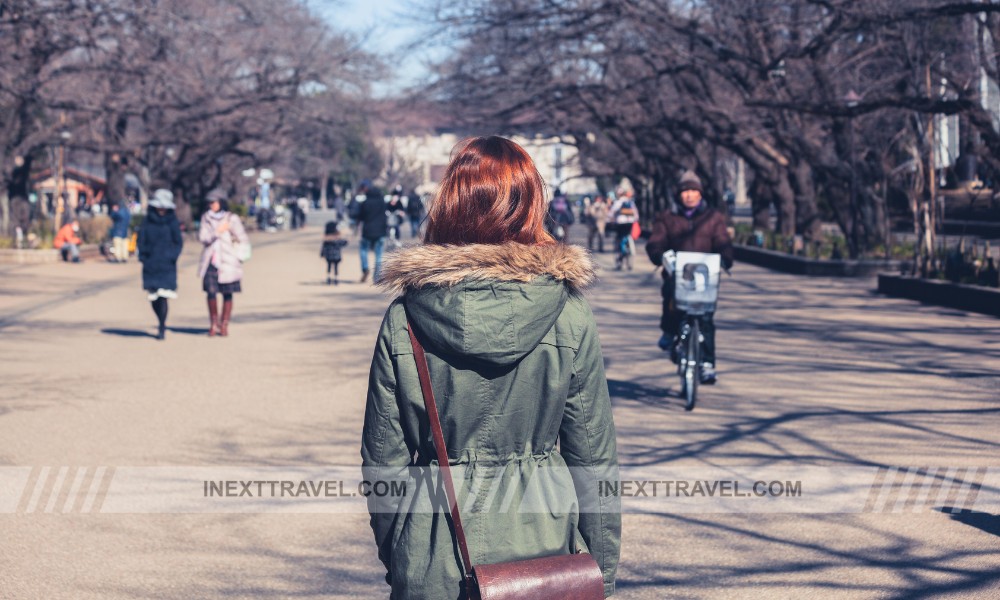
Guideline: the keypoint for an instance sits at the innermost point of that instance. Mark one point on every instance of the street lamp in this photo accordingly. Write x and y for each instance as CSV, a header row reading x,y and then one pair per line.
x,y
852,99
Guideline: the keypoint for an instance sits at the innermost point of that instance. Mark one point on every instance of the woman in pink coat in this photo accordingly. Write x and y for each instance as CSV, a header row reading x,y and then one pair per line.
x,y
221,267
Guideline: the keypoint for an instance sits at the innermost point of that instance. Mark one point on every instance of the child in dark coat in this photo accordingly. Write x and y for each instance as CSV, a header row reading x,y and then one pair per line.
x,y
332,243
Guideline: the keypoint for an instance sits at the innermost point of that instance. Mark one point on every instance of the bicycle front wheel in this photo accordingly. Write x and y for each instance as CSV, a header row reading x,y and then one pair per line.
x,y
692,369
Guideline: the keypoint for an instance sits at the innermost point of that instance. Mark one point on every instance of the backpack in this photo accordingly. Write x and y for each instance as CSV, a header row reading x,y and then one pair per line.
x,y
415,208
354,209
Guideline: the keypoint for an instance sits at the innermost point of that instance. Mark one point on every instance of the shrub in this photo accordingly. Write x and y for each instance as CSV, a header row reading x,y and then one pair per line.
x,y
41,229
239,210
95,229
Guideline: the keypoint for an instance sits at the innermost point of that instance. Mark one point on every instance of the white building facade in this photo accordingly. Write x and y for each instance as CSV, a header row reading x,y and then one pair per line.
x,y
425,157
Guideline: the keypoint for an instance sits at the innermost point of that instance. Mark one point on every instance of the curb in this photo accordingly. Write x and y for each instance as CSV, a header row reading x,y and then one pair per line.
x,y
797,265
942,293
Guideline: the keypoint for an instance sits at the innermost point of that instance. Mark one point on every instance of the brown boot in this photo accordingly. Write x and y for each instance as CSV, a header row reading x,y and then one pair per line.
x,y
364,276
213,315
227,310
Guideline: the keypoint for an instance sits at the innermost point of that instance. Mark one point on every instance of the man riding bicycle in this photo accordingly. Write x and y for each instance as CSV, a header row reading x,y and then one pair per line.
x,y
693,227
622,215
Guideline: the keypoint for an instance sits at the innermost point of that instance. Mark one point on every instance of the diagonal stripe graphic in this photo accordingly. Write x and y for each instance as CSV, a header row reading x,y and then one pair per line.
x,y
56,489
36,493
93,488
74,489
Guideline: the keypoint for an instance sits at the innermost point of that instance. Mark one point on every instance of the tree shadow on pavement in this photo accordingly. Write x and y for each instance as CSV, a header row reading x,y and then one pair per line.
x,y
639,392
711,441
249,556
775,556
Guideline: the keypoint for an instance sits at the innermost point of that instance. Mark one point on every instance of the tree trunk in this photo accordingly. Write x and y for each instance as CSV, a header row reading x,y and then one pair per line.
x,y
115,178
14,192
5,228
785,196
761,205
807,216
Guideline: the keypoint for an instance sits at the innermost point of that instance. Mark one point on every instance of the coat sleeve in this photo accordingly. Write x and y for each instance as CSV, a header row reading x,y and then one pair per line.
x,y
721,242
659,241
206,234
141,243
384,453
236,227
176,240
587,443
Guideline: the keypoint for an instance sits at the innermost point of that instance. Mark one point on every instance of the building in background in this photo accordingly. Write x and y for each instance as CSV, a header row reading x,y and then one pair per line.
x,y
419,159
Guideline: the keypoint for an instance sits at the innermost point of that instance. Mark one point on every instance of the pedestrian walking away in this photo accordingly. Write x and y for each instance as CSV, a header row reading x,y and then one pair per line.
x,y
516,367
374,222
120,219
396,215
159,246
221,266
597,220
67,242
692,227
331,250
623,216
415,212
560,217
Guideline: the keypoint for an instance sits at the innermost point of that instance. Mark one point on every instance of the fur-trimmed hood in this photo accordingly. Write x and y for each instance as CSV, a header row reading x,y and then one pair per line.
x,y
446,266
489,303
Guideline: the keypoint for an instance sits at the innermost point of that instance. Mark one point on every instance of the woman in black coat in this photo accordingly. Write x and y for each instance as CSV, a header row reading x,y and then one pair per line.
x,y
159,246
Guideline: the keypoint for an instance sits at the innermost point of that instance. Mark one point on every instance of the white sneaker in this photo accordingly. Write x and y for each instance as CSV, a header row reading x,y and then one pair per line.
x,y
708,374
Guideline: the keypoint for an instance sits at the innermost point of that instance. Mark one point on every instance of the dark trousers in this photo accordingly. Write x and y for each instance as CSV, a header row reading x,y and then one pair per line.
x,y
594,234
671,319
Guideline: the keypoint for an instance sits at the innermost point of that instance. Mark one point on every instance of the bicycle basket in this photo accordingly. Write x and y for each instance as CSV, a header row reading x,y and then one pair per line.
x,y
696,282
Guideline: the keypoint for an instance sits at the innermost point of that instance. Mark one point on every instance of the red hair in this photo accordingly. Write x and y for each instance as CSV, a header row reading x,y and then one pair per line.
x,y
491,193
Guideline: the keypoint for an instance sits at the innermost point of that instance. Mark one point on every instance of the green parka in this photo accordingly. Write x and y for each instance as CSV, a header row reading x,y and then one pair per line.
x,y
517,371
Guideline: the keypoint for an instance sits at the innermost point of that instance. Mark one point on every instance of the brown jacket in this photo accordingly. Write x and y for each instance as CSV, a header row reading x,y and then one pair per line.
x,y
705,231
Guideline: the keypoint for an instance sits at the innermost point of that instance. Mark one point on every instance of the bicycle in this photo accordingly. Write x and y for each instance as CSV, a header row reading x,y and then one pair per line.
x,y
696,293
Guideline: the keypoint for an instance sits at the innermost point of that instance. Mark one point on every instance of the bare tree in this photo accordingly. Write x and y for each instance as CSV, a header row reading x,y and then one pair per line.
x,y
809,94
182,93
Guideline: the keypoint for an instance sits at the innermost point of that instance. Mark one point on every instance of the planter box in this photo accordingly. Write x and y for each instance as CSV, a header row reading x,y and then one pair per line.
x,y
27,257
942,293
35,257
797,265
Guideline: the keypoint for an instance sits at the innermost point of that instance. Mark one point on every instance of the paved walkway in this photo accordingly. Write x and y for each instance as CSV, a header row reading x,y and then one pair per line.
x,y
815,374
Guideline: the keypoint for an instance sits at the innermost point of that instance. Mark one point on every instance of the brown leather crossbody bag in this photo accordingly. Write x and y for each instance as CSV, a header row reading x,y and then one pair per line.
x,y
565,576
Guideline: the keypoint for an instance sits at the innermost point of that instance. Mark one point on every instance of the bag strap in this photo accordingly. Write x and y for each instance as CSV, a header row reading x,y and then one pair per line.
x,y
442,451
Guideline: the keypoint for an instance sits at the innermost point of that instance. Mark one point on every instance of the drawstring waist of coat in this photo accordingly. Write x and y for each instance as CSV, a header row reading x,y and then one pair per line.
x,y
473,457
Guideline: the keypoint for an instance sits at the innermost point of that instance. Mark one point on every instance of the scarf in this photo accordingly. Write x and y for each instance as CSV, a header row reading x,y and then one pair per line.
x,y
691,213
215,219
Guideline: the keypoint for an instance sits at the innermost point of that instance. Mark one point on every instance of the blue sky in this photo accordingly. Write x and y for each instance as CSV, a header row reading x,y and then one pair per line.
x,y
385,25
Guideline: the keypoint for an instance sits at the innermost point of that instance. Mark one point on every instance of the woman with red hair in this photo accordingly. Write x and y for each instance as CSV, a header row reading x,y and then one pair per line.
x,y
515,363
